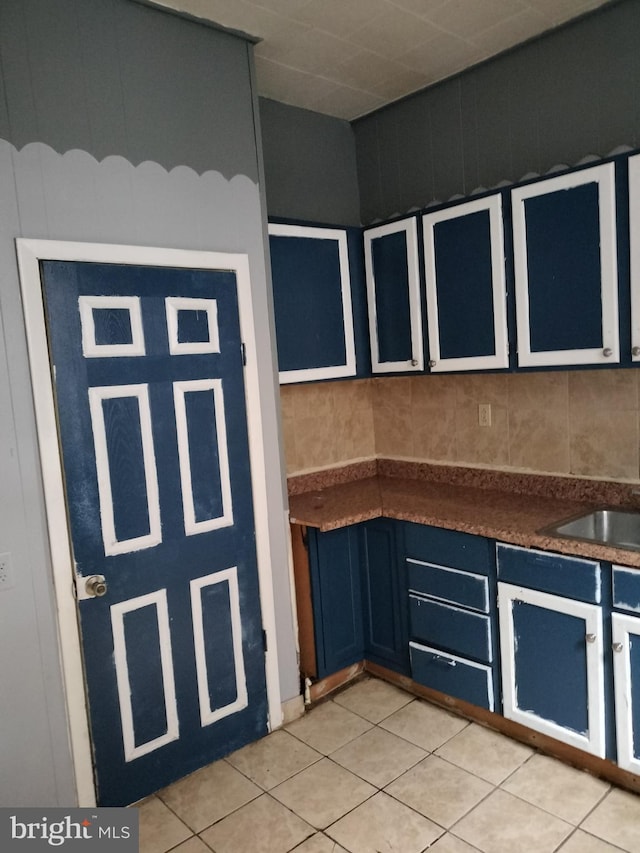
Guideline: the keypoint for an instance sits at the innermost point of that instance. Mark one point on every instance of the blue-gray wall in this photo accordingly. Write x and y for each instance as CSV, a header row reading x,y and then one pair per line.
x,y
310,165
570,93
119,123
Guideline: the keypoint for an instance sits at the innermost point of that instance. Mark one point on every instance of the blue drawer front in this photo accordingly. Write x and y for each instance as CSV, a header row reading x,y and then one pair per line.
x,y
554,573
452,675
626,589
450,628
449,585
448,548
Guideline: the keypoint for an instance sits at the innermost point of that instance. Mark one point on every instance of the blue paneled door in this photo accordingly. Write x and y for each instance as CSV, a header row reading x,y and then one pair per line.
x,y
148,372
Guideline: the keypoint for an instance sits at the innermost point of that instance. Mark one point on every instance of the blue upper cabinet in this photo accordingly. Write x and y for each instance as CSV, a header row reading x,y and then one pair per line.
x,y
312,302
466,288
392,270
565,264
634,236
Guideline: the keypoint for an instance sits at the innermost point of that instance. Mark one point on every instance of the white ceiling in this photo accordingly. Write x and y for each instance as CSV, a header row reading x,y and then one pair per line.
x,y
346,58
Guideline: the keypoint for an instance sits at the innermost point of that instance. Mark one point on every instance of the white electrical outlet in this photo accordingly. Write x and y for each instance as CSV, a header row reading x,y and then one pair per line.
x,y
484,414
6,572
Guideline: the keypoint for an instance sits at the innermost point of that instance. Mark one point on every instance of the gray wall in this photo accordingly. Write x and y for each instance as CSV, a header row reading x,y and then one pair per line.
x,y
310,165
570,93
121,124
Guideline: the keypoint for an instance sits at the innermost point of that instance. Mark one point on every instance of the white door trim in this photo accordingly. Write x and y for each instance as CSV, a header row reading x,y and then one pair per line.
x,y
30,253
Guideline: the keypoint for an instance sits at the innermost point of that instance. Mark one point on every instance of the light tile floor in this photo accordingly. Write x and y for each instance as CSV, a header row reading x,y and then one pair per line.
x,y
375,770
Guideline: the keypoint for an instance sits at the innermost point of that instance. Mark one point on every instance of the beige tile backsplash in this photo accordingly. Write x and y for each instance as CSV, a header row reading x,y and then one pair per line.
x,y
569,422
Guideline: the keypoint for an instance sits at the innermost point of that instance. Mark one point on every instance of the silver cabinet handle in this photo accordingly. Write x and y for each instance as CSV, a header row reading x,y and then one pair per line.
x,y
607,352
445,661
635,351
432,363
414,362
617,647
590,638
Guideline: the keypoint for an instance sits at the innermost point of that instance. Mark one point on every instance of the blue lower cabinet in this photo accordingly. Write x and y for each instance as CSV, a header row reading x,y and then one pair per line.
x,y
451,603
552,666
334,560
383,596
625,631
453,675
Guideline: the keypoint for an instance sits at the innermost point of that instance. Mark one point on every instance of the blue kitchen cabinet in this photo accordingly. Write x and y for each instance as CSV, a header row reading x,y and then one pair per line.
x,y
565,267
334,562
634,237
625,637
552,646
386,640
313,295
450,601
466,286
392,271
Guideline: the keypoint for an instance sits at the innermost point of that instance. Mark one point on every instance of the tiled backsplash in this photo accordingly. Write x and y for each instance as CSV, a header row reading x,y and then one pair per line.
x,y
569,422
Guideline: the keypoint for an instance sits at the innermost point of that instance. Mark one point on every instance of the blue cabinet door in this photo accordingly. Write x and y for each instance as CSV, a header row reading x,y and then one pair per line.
x,y
393,296
552,666
466,286
626,672
386,638
312,302
334,559
565,263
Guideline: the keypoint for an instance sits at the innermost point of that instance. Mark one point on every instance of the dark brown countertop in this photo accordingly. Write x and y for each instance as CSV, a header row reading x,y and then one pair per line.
x,y
510,510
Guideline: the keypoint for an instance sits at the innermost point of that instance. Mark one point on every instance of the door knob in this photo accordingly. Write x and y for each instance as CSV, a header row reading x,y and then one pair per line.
x,y
607,352
617,647
95,586
590,638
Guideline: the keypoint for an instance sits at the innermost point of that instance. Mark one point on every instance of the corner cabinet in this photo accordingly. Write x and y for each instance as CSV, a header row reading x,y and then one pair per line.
x,y
552,645
392,271
312,297
466,286
565,265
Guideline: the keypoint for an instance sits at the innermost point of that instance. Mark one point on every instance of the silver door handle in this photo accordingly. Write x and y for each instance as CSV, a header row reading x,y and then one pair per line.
x,y
95,586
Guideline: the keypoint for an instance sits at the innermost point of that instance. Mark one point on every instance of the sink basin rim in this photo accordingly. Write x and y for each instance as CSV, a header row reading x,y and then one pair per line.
x,y
578,527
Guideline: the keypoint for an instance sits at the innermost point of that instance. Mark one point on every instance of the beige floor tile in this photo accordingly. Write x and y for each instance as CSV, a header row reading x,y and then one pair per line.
x,y
582,842
562,790
273,759
617,820
423,724
319,843
328,727
262,826
373,699
486,753
504,824
378,756
323,793
439,790
450,844
209,795
193,845
160,829
384,824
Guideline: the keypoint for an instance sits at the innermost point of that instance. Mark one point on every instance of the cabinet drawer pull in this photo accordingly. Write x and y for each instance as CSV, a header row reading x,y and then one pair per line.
x,y
444,661
590,638
607,352
617,647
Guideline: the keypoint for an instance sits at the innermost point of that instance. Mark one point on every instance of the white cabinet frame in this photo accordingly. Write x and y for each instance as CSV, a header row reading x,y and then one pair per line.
x,y
604,176
500,359
634,245
593,741
416,363
622,626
